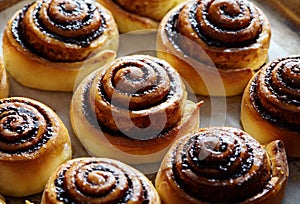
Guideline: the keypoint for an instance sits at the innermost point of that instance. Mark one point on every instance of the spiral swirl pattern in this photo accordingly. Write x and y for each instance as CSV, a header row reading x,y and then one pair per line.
x,y
95,180
275,92
24,126
220,30
227,22
138,96
61,30
219,22
224,161
231,37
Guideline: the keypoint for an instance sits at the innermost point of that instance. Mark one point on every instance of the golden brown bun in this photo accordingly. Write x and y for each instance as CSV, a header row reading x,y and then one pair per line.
x,y
4,83
270,104
133,15
48,55
159,111
98,180
207,50
222,165
2,200
33,142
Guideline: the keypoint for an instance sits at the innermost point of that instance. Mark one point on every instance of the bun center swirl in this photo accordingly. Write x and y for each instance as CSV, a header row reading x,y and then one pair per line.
x,y
220,23
61,30
24,127
97,181
218,157
16,124
68,11
225,22
290,75
142,82
228,15
222,161
70,18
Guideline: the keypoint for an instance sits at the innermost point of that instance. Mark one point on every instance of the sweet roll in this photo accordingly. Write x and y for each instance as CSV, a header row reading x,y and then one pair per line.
x,y
132,110
231,37
222,165
98,180
33,142
47,43
271,104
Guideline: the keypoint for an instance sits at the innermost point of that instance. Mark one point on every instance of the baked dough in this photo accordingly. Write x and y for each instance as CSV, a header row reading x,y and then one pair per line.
x,y
132,110
45,47
4,82
222,165
132,15
2,200
33,142
270,104
211,41
98,180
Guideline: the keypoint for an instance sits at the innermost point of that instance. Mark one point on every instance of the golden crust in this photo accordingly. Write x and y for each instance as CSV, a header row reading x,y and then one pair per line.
x,y
34,71
170,192
235,65
4,83
24,174
2,200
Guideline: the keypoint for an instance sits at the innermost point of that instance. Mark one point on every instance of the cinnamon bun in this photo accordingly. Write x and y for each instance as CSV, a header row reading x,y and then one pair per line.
x,y
231,37
222,165
132,15
33,142
46,43
4,83
132,110
271,104
2,200
98,180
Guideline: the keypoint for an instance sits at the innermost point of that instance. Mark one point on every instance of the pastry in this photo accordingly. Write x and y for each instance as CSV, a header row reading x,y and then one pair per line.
x,y
132,15
4,83
271,104
33,142
98,180
2,200
47,43
208,40
132,110
222,165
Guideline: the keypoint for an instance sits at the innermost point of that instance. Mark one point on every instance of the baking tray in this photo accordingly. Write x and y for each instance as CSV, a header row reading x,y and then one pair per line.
x,y
284,16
